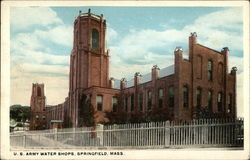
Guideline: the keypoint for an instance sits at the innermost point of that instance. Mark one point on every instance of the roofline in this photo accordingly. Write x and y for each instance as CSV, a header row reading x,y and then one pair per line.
x,y
209,48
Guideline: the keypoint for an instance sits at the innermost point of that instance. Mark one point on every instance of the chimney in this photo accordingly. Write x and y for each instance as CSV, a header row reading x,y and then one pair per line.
x,y
225,52
192,42
112,82
123,83
234,70
137,78
155,72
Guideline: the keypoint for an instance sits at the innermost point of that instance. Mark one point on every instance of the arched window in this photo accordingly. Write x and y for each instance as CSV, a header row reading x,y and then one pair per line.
x,y
160,98
219,102
39,91
198,97
230,103
171,97
210,70
99,102
149,99
95,39
199,67
140,102
132,102
114,104
209,100
126,103
185,96
220,73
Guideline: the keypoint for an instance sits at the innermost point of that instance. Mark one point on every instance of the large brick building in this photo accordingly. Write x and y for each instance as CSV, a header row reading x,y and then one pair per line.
x,y
200,81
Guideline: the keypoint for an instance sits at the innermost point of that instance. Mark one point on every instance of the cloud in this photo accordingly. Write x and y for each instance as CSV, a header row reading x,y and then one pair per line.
x,y
62,35
33,60
111,35
215,30
25,17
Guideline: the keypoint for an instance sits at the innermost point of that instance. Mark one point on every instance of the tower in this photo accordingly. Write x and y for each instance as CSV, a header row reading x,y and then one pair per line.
x,y
89,62
37,104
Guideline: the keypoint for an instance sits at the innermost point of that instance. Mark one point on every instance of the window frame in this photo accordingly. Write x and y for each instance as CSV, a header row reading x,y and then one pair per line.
x,y
97,106
185,94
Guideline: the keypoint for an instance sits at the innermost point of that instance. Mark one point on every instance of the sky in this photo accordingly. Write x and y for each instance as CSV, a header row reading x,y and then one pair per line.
x,y
137,37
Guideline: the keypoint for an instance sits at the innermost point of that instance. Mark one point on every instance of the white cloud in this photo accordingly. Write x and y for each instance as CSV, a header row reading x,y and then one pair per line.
x,y
32,60
62,35
24,17
215,30
111,35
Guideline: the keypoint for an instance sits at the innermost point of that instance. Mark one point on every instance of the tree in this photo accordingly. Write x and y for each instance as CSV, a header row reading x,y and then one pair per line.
x,y
205,113
86,112
67,123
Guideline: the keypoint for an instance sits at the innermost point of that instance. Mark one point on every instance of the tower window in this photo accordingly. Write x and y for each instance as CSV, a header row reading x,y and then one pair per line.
x,y
210,71
39,91
95,39
99,102
219,102
140,101
198,97
171,97
149,100
209,99
114,104
185,96
160,98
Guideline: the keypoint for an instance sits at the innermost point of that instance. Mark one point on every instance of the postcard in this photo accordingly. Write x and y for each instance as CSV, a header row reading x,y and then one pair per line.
x,y
125,80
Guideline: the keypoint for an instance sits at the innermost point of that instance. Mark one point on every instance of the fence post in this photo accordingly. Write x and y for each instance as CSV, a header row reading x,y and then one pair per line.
x,y
99,130
24,141
167,134
55,131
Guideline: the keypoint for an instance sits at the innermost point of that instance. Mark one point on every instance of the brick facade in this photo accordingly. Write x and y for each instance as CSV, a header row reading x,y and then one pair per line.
x,y
201,81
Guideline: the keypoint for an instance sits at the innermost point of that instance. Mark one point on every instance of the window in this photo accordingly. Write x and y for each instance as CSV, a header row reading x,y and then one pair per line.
x,y
185,96
140,102
160,98
230,103
209,99
114,104
95,39
37,116
43,117
99,102
149,96
210,70
198,97
219,102
132,102
126,103
199,67
171,97
39,91
220,73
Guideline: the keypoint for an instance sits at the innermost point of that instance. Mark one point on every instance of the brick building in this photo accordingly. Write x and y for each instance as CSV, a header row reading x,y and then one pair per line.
x,y
200,81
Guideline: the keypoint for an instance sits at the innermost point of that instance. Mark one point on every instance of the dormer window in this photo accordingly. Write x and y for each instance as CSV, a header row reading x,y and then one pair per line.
x,y
95,39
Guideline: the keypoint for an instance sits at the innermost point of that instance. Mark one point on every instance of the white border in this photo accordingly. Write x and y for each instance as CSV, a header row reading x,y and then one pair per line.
x,y
129,154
